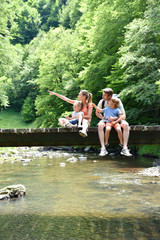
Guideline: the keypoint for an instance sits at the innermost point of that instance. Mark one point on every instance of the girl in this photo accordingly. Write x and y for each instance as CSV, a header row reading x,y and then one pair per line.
x,y
75,120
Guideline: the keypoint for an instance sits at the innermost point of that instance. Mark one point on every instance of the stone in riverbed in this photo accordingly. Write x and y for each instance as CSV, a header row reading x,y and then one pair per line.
x,y
152,171
12,191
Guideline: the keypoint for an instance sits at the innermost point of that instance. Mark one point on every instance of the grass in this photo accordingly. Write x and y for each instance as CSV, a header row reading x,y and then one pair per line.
x,y
11,119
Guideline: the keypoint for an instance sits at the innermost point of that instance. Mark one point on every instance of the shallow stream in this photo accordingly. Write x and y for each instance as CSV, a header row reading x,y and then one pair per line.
x,y
91,198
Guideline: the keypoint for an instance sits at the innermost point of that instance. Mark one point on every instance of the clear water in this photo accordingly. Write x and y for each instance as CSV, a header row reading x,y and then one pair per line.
x,y
97,198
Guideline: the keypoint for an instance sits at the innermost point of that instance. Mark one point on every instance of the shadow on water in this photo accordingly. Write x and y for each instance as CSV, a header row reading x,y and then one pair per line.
x,y
91,198
77,228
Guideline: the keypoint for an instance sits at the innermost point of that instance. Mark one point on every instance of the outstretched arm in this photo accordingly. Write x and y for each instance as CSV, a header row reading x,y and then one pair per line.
x,y
62,97
97,108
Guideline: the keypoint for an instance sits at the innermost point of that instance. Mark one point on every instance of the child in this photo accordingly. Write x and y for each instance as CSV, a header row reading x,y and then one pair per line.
x,y
111,111
76,118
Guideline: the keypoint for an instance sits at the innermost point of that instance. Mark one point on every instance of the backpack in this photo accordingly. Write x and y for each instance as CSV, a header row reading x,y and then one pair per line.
x,y
103,102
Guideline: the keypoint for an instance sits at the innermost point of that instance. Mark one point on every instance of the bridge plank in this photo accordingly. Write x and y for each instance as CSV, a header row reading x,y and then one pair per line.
x,y
139,135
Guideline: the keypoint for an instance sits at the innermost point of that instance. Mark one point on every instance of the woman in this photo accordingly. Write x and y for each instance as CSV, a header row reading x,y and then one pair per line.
x,y
86,98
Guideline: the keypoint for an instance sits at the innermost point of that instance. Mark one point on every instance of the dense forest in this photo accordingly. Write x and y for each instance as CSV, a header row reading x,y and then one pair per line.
x,y
68,45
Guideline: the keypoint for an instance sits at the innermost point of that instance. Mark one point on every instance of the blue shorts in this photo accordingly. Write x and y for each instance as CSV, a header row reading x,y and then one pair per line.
x,y
74,121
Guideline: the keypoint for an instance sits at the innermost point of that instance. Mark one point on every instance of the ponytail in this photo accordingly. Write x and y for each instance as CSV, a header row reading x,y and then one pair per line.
x,y
89,100
87,95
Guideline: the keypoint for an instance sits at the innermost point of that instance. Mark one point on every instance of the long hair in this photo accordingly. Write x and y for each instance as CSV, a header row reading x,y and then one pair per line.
x,y
87,95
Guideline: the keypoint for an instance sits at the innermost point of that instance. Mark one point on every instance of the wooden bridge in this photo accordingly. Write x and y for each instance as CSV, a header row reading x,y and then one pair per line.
x,y
139,135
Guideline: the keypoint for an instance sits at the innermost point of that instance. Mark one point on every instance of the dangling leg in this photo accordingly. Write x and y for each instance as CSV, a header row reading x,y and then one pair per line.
x,y
85,124
120,136
101,126
108,129
62,121
80,119
125,150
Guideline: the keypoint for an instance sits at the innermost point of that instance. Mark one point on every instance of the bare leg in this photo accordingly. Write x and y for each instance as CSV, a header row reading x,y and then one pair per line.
x,y
62,121
80,119
108,129
125,127
119,132
85,125
125,150
101,126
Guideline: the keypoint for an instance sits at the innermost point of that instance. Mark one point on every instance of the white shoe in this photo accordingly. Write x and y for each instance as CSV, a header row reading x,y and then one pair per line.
x,y
83,133
126,152
103,152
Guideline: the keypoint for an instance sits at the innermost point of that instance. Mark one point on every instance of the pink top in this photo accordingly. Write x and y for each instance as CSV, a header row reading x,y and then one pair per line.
x,y
85,109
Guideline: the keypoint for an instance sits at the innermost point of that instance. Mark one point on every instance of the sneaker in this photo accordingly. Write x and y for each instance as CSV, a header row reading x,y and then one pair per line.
x,y
68,125
106,145
126,152
83,133
103,152
121,145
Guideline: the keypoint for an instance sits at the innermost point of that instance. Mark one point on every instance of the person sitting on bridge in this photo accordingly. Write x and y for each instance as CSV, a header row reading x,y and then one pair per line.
x,y
103,103
111,110
76,119
86,99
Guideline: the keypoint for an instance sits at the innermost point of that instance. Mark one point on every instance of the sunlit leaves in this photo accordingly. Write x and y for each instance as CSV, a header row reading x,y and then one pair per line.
x,y
5,84
140,60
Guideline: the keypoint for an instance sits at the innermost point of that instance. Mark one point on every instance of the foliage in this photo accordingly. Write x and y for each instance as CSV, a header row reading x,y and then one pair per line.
x,y
26,24
57,71
140,62
104,37
153,150
70,14
28,110
4,82
69,45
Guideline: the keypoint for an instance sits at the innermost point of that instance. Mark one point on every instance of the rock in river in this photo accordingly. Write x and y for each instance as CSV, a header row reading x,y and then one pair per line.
x,y
12,191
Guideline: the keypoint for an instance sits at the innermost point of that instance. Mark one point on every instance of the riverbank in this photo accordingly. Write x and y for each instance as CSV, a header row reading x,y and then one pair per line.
x,y
26,154
12,119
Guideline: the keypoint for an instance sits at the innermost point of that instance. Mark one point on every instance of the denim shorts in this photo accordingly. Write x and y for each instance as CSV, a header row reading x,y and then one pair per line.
x,y
74,121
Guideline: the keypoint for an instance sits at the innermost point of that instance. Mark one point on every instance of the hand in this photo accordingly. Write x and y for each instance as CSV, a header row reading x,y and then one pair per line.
x,y
113,123
67,117
111,119
93,105
51,93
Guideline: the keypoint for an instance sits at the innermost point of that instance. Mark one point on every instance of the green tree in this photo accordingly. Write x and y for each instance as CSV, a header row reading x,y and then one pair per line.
x,y
70,14
104,34
5,84
28,110
140,63
26,23
59,65
24,77
49,12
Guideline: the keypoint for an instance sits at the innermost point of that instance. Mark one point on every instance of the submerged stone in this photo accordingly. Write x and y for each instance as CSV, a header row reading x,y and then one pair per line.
x,y
72,159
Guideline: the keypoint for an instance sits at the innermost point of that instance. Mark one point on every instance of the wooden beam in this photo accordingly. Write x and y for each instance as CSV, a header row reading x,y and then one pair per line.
x,y
139,135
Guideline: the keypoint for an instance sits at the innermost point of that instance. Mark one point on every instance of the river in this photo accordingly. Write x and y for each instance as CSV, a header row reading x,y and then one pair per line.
x,y
90,198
